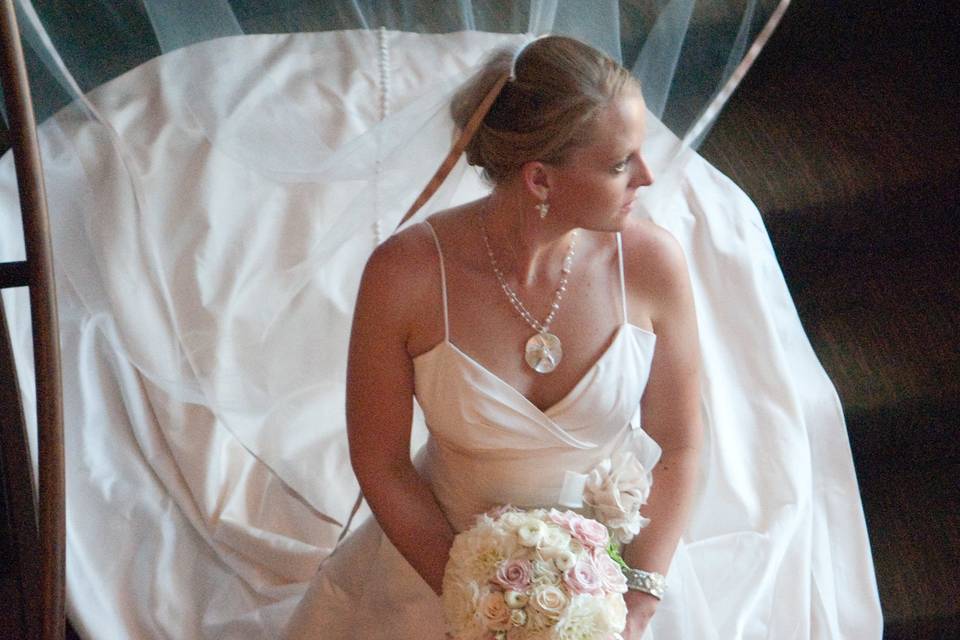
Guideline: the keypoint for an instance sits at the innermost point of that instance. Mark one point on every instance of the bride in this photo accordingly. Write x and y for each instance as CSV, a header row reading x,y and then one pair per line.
x,y
530,325
210,216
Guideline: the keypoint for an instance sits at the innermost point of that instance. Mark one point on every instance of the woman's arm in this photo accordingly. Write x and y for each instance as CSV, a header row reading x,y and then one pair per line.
x,y
380,410
671,414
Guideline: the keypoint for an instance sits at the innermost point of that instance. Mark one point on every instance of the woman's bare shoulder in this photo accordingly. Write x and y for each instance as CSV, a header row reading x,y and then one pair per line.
x,y
404,250
401,271
652,257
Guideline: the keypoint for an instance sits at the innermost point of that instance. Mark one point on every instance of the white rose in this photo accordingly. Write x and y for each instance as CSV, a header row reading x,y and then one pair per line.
x,y
616,489
565,560
531,532
515,599
554,541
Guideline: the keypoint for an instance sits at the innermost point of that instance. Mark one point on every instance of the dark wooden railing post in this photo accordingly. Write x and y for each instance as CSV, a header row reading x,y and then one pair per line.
x,y
51,506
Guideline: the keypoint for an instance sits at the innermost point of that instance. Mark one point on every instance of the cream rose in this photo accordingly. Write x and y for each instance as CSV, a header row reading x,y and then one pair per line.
x,y
544,573
495,612
549,600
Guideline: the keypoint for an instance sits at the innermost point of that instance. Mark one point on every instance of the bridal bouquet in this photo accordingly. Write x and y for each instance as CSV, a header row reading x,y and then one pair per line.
x,y
541,574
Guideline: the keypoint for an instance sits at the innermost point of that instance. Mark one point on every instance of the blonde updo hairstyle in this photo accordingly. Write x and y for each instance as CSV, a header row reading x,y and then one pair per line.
x,y
544,110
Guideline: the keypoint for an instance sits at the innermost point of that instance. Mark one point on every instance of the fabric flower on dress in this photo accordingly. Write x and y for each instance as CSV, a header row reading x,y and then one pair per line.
x,y
616,489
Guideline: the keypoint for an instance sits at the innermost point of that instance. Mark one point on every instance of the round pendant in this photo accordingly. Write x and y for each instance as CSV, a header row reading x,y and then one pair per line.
x,y
543,352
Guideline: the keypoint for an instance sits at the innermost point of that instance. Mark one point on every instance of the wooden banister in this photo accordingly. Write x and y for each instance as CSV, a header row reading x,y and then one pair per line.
x,y
51,505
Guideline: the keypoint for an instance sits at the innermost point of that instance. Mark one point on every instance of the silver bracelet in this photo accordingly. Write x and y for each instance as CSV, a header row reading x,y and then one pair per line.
x,y
646,581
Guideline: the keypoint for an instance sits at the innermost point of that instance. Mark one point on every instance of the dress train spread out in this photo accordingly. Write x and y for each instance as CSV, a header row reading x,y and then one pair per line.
x,y
205,303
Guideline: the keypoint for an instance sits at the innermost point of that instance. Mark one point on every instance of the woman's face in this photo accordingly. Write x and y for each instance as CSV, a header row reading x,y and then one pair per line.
x,y
594,187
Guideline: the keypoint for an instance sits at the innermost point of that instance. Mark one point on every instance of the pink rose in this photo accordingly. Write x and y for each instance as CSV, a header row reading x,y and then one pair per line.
x,y
583,577
563,518
611,576
590,532
514,574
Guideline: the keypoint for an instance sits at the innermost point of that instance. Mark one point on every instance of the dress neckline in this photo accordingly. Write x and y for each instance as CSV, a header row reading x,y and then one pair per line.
x,y
567,397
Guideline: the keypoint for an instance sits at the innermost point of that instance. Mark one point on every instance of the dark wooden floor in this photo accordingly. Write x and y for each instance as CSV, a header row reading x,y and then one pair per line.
x,y
846,134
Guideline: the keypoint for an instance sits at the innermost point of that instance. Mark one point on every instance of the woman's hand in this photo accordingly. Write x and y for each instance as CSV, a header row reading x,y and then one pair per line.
x,y
640,608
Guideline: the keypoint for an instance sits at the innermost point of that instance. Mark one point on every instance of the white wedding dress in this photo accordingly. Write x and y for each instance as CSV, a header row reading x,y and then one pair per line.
x,y
489,446
210,224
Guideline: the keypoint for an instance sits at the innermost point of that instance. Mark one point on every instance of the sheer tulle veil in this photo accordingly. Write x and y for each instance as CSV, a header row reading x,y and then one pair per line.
x,y
218,173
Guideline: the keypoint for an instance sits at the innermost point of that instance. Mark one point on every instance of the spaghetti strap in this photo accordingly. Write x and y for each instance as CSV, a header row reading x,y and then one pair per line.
x,y
623,288
443,282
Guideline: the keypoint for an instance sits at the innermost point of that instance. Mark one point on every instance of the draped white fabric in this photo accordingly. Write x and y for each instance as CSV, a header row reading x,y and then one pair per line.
x,y
210,223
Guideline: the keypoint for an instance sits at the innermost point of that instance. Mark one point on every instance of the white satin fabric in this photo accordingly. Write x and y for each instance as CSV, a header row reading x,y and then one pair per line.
x,y
203,273
490,446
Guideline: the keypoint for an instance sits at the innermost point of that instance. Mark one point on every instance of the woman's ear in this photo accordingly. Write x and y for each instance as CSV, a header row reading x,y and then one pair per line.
x,y
537,179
